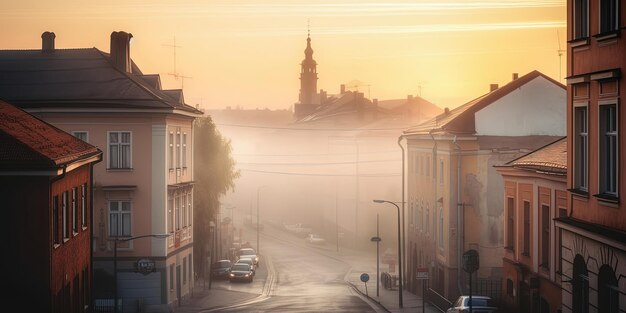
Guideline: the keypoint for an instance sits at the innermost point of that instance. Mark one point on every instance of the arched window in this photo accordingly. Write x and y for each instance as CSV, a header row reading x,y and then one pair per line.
x,y
441,227
580,286
608,296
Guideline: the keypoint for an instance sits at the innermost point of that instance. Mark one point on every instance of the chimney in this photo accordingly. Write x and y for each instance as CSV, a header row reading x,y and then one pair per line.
x,y
120,50
515,76
446,111
409,98
343,89
47,41
323,96
493,87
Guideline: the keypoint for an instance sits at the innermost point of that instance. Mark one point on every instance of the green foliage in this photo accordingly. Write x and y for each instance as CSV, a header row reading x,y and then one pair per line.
x,y
214,175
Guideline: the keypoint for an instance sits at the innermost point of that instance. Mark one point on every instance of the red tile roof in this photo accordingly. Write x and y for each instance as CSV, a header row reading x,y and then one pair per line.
x,y
454,121
27,142
550,159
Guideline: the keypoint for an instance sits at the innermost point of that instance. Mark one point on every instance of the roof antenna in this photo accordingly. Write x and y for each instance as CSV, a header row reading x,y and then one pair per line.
x,y
560,52
175,73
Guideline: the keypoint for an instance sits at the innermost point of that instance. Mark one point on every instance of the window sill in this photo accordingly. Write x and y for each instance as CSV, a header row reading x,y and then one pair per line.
x,y
56,245
607,35
116,169
74,234
579,42
526,254
609,198
84,228
65,240
579,192
510,249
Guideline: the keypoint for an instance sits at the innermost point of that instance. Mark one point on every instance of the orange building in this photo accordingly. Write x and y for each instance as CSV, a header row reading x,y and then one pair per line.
x,y
534,194
594,231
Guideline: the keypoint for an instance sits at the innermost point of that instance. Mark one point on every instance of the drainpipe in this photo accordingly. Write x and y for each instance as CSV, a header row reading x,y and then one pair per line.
x,y
402,237
458,216
434,178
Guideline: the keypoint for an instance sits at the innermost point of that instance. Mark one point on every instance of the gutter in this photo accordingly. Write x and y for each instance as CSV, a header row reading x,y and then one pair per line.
x,y
403,221
459,214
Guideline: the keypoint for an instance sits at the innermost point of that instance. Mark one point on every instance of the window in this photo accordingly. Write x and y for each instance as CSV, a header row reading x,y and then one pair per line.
x,y
178,152
427,165
171,148
74,210
580,147
441,172
171,276
509,287
441,227
177,212
82,135
608,15
83,205
608,290
421,166
581,19
580,286
184,157
190,268
119,150
66,228
545,237
427,216
526,250
189,211
55,220
170,214
120,219
510,227
184,271
608,149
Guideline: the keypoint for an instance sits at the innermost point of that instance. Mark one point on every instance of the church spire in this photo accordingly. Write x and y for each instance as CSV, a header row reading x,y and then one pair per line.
x,y
309,99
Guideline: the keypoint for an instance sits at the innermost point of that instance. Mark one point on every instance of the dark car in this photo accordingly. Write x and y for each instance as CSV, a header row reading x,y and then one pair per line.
x,y
480,304
241,272
220,269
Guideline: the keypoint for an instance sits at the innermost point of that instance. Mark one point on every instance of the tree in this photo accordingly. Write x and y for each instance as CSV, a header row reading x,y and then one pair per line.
x,y
214,174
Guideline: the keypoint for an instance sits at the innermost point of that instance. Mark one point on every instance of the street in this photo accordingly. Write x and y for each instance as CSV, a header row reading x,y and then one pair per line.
x,y
294,277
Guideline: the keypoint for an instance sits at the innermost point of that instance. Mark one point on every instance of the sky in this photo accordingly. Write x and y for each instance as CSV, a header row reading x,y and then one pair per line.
x,y
247,53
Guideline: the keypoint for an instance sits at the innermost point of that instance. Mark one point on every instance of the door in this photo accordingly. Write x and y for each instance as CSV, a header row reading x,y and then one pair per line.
x,y
178,287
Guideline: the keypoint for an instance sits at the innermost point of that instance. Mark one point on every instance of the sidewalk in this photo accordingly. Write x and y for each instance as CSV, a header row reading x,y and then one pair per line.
x,y
389,299
205,299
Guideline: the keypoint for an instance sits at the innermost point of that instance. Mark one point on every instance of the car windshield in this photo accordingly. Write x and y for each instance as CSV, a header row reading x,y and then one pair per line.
x,y
246,252
241,267
221,264
479,302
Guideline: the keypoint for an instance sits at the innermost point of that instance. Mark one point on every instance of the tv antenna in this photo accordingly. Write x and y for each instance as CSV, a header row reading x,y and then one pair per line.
x,y
175,73
419,87
560,53
356,84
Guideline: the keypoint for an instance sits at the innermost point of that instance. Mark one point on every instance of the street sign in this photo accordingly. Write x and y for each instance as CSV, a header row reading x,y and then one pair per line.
x,y
421,273
375,239
365,277
145,266
471,261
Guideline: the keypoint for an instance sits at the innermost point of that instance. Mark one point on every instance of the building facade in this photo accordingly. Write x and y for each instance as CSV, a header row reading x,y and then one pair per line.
x,y
453,192
45,184
535,193
593,253
143,187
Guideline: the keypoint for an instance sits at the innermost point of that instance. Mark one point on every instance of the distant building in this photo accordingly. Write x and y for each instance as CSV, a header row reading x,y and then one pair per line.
x,y
45,185
593,234
454,194
351,108
145,184
535,193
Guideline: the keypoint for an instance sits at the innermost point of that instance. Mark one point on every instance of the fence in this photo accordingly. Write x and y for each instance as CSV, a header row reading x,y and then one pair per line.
x,y
437,300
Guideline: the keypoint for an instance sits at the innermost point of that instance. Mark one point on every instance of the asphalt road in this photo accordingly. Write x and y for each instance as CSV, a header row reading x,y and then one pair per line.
x,y
299,279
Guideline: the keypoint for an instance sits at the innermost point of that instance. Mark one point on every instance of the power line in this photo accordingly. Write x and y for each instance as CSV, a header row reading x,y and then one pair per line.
x,y
318,163
322,175
309,129
311,154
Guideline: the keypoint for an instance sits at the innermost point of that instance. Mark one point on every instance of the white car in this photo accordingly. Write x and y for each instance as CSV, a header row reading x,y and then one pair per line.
x,y
480,304
248,253
315,239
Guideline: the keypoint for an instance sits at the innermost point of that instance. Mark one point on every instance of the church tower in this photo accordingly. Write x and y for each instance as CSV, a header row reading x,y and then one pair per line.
x,y
308,99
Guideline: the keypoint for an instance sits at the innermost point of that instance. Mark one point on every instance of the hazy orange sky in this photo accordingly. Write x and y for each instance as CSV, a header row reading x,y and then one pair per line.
x,y
248,53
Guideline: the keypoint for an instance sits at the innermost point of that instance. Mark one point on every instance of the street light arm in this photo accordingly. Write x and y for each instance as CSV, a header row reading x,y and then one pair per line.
x,y
138,237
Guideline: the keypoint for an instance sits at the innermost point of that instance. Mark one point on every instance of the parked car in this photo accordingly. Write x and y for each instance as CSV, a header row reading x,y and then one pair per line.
x,y
250,253
480,304
248,261
241,272
315,239
220,269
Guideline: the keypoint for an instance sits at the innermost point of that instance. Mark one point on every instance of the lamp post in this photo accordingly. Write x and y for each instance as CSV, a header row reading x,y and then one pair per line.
x,y
257,218
399,252
115,241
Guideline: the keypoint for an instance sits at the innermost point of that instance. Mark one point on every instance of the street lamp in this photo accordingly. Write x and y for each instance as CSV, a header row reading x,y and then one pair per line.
x,y
257,219
399,252
124,239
